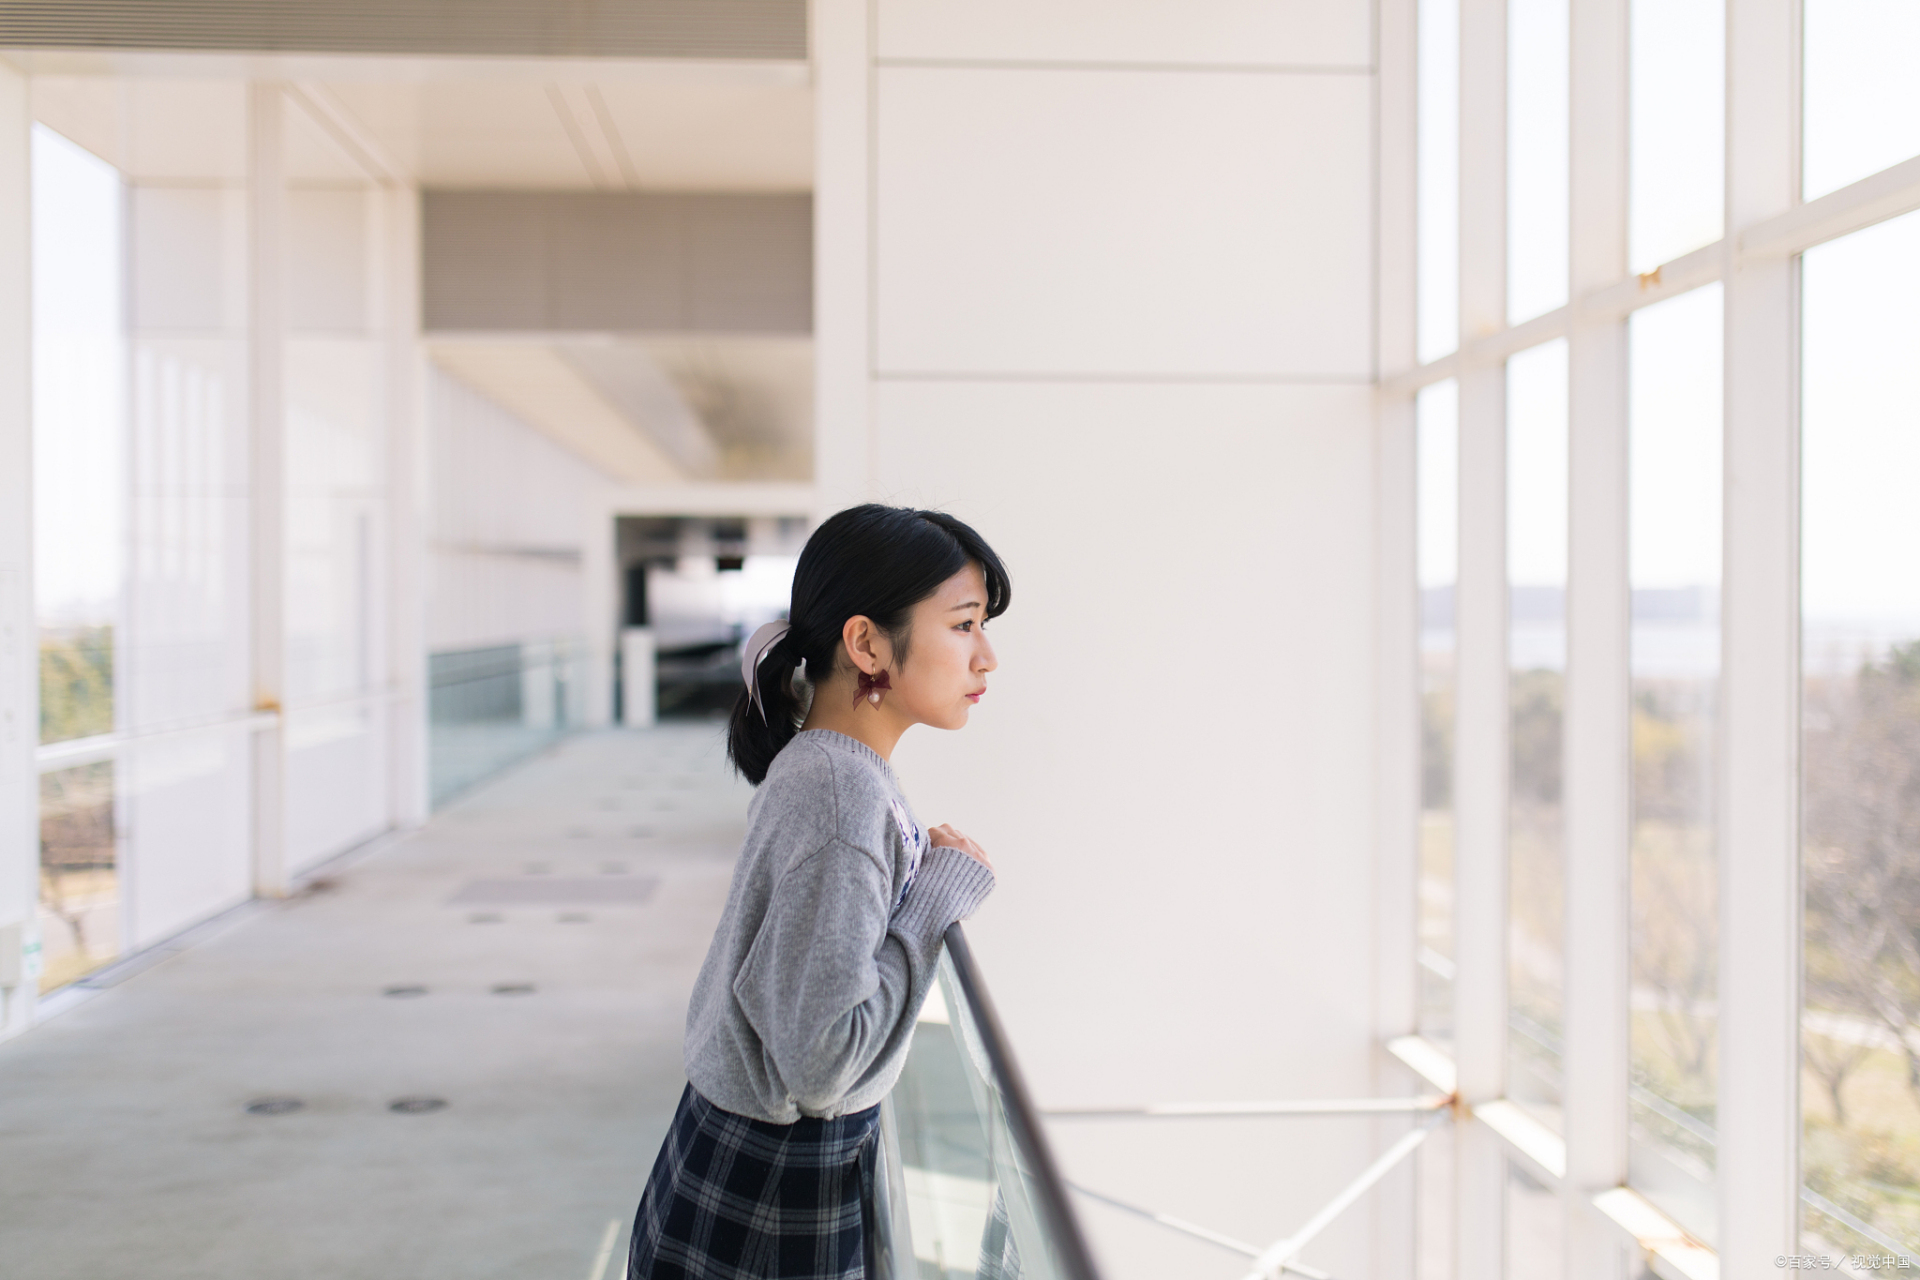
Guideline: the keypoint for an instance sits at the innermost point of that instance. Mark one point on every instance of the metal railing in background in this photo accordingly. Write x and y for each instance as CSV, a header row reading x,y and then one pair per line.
x,y
969,1189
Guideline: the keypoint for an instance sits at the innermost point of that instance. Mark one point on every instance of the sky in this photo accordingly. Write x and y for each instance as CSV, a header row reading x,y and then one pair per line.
x,y
1860,428
79,376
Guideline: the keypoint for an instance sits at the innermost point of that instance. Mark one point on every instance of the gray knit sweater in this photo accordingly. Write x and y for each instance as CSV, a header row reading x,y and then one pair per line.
x,y
806,1003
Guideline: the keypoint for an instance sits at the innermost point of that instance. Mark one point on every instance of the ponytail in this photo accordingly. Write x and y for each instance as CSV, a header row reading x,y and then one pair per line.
x,y
873,561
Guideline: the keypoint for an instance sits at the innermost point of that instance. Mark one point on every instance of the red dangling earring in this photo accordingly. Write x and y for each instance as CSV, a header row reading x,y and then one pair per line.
x,y
871,687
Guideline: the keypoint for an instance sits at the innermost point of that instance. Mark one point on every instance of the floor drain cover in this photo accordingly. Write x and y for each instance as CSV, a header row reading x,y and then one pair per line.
x,y
274,1106
416,1106
403,992
485,917
513,988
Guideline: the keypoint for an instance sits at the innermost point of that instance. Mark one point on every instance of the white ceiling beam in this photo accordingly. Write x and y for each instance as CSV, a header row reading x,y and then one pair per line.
x,y
319,104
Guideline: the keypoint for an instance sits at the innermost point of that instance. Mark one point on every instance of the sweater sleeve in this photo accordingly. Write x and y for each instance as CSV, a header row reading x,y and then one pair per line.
x,y
831,981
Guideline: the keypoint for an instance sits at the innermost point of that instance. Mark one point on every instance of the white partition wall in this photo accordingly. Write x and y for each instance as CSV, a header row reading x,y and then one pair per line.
x,y
1116,313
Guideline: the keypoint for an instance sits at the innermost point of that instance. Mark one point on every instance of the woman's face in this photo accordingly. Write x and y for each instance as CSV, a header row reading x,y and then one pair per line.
x,y
948,655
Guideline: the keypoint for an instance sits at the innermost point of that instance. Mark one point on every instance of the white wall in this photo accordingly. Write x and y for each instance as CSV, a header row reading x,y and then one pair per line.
x,y
337,491
511,516
1116,311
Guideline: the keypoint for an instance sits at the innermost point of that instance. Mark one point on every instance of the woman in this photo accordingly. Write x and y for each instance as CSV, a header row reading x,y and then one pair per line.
x,y
804,1009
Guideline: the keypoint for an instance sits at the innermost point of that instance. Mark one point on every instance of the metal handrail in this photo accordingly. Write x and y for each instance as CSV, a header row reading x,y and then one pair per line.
x,y
1070,1245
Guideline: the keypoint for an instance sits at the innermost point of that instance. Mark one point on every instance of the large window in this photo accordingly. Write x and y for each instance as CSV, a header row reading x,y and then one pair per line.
x,y
79,355
1537,664
1860,722
1707,884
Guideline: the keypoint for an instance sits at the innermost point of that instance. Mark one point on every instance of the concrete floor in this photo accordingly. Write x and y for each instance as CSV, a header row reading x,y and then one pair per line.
x,y
126,1147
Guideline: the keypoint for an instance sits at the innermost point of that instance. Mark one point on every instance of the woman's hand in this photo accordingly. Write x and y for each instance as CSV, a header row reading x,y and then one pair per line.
x,y
945,837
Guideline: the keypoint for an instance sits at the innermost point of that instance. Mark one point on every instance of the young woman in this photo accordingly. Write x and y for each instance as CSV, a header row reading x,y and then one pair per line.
x,y
804,1009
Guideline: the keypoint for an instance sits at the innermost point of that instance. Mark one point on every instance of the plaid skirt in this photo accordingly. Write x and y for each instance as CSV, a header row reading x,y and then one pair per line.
x,y
732,1198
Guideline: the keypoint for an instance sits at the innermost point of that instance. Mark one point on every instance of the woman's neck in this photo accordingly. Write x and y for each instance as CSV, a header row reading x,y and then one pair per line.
x,y
838,708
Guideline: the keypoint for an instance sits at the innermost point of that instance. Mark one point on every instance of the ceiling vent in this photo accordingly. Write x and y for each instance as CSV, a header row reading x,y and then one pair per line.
x,y
709,29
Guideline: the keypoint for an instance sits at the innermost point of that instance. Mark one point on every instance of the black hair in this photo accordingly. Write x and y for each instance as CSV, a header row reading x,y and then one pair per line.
x,y
871,560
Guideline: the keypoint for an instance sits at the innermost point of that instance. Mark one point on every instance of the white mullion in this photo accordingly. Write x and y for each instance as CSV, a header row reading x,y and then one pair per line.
x,y
19,684
1397,630
1887,194
1480,750
1759,1113
1397,679
1597,726
409,801
1397,596
843,77
266,532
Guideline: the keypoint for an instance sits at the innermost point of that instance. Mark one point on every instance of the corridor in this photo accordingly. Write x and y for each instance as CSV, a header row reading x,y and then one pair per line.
x,y
461,1048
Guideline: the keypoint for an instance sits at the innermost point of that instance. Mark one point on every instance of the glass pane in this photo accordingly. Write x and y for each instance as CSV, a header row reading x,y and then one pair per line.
x,y
1861,96
1439,179
1676,130
1674,349
1537,658
1438,424
1860,716
971,1207
1537,159
79,357
1536,1235
490,707
79,914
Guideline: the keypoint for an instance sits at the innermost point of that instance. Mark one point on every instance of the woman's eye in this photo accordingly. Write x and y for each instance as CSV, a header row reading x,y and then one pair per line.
x,y
967,625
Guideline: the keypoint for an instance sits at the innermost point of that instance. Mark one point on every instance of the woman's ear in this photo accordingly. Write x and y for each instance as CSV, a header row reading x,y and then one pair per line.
x,y
867,645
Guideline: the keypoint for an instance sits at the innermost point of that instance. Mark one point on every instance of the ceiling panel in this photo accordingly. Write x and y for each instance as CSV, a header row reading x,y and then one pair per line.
x,y
486,134
679,133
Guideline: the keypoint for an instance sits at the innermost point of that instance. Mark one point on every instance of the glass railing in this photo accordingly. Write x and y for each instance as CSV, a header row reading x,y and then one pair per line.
x,y
490,707
968,1189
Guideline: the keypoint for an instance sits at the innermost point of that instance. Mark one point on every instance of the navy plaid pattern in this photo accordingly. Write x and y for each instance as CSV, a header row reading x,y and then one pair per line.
x,y
733,1198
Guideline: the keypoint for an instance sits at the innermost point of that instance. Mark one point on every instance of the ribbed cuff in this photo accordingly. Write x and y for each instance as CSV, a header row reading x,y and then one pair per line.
x,y
949,886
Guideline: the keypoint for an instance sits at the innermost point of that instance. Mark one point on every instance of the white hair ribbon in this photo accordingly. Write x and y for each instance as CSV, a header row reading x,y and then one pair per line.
x,y
753,652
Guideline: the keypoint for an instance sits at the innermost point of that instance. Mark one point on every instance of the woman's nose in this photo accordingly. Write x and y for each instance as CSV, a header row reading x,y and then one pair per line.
x,y
985,661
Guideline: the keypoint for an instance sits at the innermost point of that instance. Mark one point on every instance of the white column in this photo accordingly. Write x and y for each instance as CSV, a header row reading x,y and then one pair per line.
x,y
843,464
1759,1109
638,674
1596,743
1397,680
266,348
19,650
406,510
600,571
1480,750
